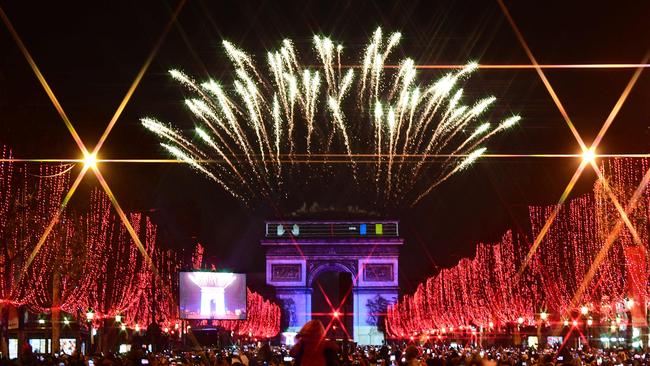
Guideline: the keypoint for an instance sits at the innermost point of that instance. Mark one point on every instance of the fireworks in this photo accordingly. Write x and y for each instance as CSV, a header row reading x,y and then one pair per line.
x,y
398,137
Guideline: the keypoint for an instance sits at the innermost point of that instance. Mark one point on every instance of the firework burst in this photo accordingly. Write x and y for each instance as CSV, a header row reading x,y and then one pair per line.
x,y
289,121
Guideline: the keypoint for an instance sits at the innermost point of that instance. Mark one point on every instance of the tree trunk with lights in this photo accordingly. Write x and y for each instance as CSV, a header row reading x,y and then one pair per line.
x,y
4,326
56,312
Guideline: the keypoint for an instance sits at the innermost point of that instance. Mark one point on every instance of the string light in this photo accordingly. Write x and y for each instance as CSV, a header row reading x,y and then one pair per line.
x,y
481,289
109,278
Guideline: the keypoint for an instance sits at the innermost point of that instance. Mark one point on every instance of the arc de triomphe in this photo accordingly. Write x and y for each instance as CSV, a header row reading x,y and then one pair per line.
x,y
297,252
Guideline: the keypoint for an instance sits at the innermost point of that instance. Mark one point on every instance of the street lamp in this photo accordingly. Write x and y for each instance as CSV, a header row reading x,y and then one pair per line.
x,y
118,318
90,315
90,161
589,155
543,315
584,310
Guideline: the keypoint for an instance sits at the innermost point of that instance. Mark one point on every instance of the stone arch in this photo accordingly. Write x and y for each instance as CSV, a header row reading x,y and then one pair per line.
x,y
330,266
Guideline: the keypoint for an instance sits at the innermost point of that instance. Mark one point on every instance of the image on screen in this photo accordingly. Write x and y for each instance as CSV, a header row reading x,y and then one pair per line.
x,y
212,295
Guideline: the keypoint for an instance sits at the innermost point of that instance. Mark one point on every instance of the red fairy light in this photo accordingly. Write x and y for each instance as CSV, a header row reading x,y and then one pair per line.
x,y
93,255
484,290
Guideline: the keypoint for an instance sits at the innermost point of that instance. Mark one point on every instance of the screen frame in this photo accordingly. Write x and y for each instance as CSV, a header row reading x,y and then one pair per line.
x,y
180,313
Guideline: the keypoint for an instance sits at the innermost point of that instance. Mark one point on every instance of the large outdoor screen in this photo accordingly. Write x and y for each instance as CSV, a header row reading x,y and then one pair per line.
x,y
212,295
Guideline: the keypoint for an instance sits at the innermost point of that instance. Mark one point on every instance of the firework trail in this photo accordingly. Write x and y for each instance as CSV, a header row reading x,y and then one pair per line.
x,y
398,136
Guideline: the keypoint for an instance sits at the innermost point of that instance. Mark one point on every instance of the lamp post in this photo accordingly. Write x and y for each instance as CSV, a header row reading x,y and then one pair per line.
x,y
90,315
543,317
590,322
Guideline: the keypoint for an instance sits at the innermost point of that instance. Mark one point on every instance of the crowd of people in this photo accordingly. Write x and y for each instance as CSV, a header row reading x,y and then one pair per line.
x,y
313,349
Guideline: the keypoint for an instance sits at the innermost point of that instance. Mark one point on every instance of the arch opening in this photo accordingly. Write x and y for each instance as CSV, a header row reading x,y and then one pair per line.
x,y
333,303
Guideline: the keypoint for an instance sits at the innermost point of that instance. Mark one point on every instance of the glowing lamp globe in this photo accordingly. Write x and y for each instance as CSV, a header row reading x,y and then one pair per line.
x,y
90,315
520,320
590,322
137,327
118,318
66,321
575,323
584,310
491,325
123,327
629,303
543,315
41,321
90,161
566,323
589,155
336,314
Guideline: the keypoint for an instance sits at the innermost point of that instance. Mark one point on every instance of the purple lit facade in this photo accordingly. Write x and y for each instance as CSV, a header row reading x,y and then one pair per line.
x,y
297,252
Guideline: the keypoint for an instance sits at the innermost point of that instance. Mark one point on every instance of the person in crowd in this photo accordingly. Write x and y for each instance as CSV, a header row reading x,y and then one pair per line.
x,y
311,348
411,355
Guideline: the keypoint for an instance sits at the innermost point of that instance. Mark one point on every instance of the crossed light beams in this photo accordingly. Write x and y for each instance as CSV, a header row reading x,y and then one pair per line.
x,y
90,158
589,155
335,311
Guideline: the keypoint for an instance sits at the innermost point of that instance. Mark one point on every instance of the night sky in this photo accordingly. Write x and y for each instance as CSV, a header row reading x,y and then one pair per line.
x,y
90,55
